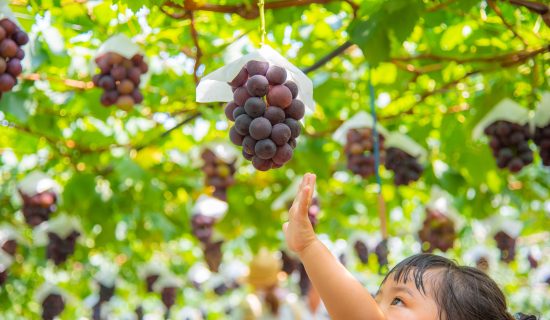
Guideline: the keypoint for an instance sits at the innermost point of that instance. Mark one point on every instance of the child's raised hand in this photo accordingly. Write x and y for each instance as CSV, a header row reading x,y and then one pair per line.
x,y
298,231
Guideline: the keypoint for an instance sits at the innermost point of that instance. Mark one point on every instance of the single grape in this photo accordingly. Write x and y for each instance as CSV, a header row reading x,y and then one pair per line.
x,y
134,74
21,38
125,102
240,96
118,73
257,86
235,137
265,149
7,82
280,134
283,154
296,109
242,124
229,108
106,82
137,96
274,115
276,75
125,86
261,164
8,25
255,107
248,145
255,67
8,48
260,128
279,96
295,127
240,79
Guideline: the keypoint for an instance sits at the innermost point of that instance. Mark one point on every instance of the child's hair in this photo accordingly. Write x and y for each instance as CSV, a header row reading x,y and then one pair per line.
x,y
461,293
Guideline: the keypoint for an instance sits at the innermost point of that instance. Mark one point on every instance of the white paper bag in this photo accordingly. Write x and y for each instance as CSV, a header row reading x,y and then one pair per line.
x,y
358,121
37,182
5,12
62,225
167,280
120,44
45,290
7,232
210,207
214,86
542,114
506,110
5,261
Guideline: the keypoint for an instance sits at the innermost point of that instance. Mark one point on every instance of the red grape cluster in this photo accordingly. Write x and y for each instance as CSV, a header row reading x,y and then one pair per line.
x,y
266,114
11,54
362,251
542,140
359,151
10,246
533,262
52,306
438,231
58,249
219,174
150,280
510,145
213,255
168,296
120,78
382,252
406,167
37,208
507,246
202,227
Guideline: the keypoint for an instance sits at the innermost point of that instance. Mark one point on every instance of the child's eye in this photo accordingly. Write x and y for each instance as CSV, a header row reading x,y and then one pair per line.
x,y
396,302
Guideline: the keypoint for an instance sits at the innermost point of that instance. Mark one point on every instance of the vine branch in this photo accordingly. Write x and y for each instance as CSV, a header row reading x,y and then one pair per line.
x,y
243,10
497,10
198,53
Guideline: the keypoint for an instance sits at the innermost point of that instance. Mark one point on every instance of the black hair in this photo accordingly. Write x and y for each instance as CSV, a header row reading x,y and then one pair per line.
x,y
461,292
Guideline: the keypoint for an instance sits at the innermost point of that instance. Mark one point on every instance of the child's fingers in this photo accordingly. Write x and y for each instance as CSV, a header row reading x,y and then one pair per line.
x,y
305,197
302,183
285,227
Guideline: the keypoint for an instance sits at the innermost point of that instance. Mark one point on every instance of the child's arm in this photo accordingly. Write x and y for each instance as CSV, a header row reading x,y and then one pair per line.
x,y
344,297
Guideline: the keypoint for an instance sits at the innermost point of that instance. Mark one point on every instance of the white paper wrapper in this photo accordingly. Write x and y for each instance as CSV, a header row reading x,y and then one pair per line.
x,y
5,261
506,110
7,232
358,121
167,280
214,88
5,12
442,201
120,44
199,273
45,290
107,275
510,227
37,182
233,270
541,275
472,256
222,149
210,206
281,203
407,144
153,267
542,114
62,225
189,313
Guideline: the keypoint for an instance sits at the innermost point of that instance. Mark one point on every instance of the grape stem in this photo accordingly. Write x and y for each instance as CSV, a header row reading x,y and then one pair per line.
x,y
261,5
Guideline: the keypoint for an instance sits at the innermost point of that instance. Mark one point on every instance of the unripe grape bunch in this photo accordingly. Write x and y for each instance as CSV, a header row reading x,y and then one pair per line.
x,y
12,38
438,231
120,77
266,114
406,167
510,145
360,151
219,174
542,140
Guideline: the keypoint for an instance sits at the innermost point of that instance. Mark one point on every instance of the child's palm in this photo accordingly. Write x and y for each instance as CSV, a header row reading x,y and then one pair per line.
x,y
299,232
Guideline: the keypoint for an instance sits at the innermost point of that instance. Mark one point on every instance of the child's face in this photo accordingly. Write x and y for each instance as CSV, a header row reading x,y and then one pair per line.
x,y
404,301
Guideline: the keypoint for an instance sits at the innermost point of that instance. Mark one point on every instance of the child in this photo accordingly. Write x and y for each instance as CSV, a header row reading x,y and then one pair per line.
x,y
422,287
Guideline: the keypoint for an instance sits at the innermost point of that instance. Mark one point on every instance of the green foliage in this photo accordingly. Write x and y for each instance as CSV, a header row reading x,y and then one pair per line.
x,y
132,180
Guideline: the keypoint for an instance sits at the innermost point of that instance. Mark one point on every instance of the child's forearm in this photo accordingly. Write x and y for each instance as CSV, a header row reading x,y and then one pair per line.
x,y
343,296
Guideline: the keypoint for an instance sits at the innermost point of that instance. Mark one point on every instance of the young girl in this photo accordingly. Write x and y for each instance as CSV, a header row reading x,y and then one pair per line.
x,y
422,287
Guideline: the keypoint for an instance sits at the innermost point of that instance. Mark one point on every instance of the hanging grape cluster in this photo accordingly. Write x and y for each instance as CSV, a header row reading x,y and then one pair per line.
x,y
37,208
362,251
266,114
406,167
3,276
542,140
105,294
168,297
510,145
150,280
219,173
120,78
52,306
507,246
202,228
359,151
59,249
10,246
382,252
12,38
438,231
213,255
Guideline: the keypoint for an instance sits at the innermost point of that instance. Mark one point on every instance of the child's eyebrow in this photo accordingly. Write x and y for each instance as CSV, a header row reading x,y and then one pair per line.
x,y
403,289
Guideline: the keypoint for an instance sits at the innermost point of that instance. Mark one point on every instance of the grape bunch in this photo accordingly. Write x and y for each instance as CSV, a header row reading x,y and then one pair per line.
x,y
12,38
533,262
542,140
58,249
3,276
507,246
482,264
106,293
362,251
168,296
406,167
150,280
52,306
266,115
289,263
213,255
120,78
37,208
10,247
381,251
360,151
438,231
202,227
219,173
510,144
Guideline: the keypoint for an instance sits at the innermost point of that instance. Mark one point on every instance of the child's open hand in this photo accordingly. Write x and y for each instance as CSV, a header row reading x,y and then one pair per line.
x,y
298,231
